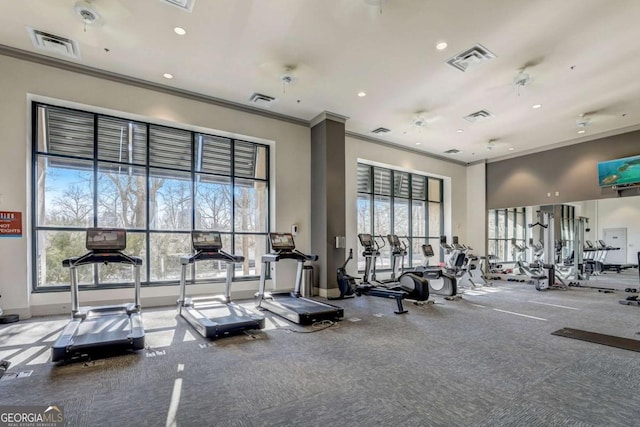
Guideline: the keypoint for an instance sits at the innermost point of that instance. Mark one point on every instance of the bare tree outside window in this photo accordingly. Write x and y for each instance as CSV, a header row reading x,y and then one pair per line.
x,y
145,179
402,203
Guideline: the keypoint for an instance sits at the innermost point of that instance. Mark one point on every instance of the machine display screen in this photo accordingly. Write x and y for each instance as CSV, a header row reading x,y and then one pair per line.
x,y
427,250
206,240
366,240
282,241
106,239
394,240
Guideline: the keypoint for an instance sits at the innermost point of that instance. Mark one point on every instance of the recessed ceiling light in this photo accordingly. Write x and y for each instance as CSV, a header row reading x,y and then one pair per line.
x,y
536,106
441,46
361,94
460,130
511,148
581,131
180,31
418,143
167,76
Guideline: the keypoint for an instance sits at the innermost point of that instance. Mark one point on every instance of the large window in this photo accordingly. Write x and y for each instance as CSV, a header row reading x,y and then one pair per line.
x,y
157,182
506,233
402,203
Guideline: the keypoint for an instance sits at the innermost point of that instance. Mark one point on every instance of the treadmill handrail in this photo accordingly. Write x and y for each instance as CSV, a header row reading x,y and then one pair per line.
x,y
94,257
205,255
368,253
294,254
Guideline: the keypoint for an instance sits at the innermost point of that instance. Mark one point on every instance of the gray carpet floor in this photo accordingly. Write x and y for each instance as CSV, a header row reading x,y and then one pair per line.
x,y
488,359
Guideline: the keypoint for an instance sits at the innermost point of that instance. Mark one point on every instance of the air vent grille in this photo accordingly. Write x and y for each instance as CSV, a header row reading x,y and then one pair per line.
x,y
453,151
380,130
478,116
182,4
472,57
261,99
53,43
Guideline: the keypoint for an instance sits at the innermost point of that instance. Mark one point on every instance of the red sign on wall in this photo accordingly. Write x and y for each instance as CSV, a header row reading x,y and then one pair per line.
x,y
10,224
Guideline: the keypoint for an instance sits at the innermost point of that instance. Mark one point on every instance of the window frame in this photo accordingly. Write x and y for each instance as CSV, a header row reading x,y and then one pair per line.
x,y
428,201
148,231
510,233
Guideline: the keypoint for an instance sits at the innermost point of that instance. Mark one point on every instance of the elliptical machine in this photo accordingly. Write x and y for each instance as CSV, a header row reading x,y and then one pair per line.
x,y
413,287
440,282
346,282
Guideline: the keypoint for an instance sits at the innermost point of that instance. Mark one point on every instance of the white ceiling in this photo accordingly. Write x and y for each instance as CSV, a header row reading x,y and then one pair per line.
x,y
583,56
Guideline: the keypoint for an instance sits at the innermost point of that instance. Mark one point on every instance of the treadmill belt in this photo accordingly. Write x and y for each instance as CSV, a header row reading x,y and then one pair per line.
x,y
300,305
594,337
225,315
108,329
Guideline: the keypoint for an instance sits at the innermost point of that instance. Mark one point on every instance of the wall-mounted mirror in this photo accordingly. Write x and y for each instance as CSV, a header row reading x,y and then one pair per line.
x,y
615,222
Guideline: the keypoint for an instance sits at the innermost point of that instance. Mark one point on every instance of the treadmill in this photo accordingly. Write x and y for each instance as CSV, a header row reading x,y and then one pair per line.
x,y
101,328
291,305
216,316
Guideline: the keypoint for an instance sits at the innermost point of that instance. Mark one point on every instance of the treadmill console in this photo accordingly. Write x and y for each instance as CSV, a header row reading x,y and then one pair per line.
x,y
366,240
208,241
282,242
106,239
427,250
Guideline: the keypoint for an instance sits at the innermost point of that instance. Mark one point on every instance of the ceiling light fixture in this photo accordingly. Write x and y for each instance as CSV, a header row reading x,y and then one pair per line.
x,y
521,80
362,94
418,120
418,143
460,130
491,144
287,78
167,76
582,122
535,107
441,46
511,148
87,13
180,31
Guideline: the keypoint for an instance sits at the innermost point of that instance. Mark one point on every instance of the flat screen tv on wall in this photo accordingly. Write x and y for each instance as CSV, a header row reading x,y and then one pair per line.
x,y
619,172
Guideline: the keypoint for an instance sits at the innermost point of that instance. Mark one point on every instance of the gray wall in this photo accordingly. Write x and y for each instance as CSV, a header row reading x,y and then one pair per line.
x,y
570,171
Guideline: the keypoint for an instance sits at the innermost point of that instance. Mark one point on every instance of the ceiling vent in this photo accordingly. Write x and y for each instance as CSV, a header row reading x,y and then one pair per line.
x,y
472,57
54,44
262,100
182,4
478,116
380,130
452,151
